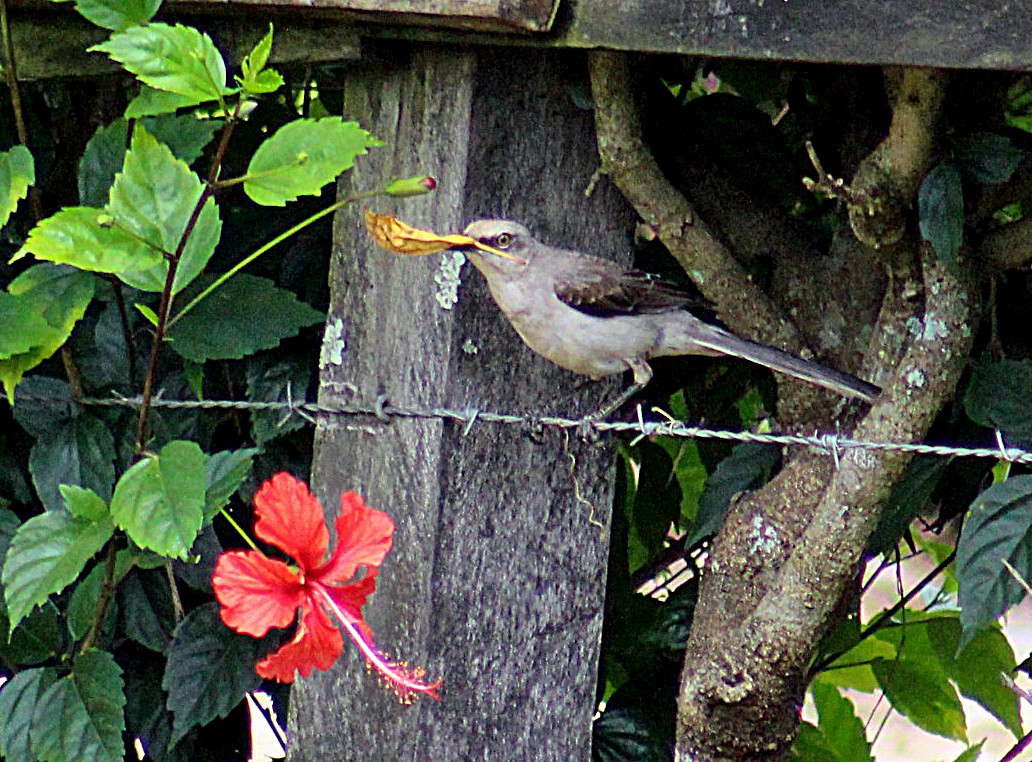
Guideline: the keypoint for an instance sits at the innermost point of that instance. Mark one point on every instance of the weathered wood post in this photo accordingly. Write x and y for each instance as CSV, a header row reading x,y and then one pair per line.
x,y
497,576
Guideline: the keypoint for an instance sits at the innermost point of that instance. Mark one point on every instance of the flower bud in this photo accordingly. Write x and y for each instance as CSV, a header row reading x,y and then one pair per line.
x,y
411,186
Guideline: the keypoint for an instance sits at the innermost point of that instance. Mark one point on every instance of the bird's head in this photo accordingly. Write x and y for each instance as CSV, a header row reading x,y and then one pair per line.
x,y
510,240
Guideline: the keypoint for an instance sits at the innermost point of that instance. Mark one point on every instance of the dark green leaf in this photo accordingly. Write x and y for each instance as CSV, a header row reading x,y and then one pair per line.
x,y
748,467
159,501
656,505
62,295
81,716
302,157
154,197
987,158
908,498
146,608
17,173
628,734
186,135
145,714
210,668
690,472
225,470
997,530
178,59
18,700
940,204
47,554
999,396
271,381
37,639
78,451
43,404
251,314
85,238
82,606
118,14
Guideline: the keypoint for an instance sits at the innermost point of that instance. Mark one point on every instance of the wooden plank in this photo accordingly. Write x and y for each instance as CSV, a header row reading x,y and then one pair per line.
x,y
476,15
497,576
978,34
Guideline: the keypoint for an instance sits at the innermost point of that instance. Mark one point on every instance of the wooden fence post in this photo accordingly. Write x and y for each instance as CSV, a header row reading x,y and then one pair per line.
x,y
497,576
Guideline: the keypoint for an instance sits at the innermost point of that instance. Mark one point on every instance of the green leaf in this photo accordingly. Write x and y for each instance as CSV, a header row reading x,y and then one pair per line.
x,y
178,59
625,733
146,608
80,450
154,197
18,701
987,158
186,136
258,79
47,554
972,753
81,716
275,382
22,327
996,530
841,730
82,605
302,157
749,466
853,668
17,173
940,205
159,501
251,314
118,14
62,295
225,471
85,238
656,504
999,396
38,638
922,693
908,498
151,102
84,503
210,668
690,472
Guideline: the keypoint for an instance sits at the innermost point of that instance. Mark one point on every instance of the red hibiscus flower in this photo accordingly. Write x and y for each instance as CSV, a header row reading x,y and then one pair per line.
x,y
258,593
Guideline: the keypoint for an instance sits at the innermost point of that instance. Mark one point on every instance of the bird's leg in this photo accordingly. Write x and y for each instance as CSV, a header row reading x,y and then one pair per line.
x,y
642,375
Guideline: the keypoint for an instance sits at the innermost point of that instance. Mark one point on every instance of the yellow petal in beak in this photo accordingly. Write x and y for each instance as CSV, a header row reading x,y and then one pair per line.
x,y
395,236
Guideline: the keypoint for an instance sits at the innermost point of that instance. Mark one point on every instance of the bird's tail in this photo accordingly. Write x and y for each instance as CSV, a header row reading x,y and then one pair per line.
x,y
718,341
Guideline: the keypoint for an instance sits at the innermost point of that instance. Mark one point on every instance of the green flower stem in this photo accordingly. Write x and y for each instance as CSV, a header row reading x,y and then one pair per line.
x,y
240,531
221,184
274,242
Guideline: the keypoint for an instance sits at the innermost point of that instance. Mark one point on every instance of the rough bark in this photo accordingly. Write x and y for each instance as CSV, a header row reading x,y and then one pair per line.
x,y
496,580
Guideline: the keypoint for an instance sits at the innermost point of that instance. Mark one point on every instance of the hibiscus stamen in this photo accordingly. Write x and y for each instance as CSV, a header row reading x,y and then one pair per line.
x,y
403,679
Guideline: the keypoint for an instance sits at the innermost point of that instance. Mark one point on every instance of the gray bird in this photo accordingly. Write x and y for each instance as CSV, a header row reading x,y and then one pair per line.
x,y
593,317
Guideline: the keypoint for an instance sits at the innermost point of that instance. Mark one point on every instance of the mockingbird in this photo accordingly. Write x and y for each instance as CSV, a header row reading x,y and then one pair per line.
x,y
593,317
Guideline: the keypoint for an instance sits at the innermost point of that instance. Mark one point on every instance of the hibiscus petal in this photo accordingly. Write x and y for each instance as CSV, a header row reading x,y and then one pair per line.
x,y
351,598
292,519
317,644
257,593
364,535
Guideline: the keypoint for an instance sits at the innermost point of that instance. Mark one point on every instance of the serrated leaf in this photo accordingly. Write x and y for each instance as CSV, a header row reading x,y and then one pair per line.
x,y
302,157
210,668
80,450
258,79
83,237
251,313
22,327
154,197
81,716
749,466
84,502
225,472
17,173
178,59
999,396
908,497
43,404
37,639
276,382
996,530
159,501
104,157
62,295
117,14
922,693
151,102
940,205
842,731
18,699
146,608
47,554
988,158
627,733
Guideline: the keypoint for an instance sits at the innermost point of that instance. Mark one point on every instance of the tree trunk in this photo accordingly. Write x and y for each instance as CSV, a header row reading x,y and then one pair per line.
x,y
497,575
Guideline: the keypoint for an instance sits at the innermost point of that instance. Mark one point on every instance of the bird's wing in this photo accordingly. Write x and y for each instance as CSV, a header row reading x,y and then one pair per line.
x,y
602,288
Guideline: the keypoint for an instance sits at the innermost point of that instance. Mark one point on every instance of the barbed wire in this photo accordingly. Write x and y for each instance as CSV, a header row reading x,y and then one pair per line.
x,y
383,411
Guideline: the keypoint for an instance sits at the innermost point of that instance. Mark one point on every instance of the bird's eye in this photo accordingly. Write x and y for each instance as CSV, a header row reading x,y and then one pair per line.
x,y
504,240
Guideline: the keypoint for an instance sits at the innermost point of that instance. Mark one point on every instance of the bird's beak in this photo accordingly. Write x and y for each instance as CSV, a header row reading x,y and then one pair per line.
x,y
475,245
